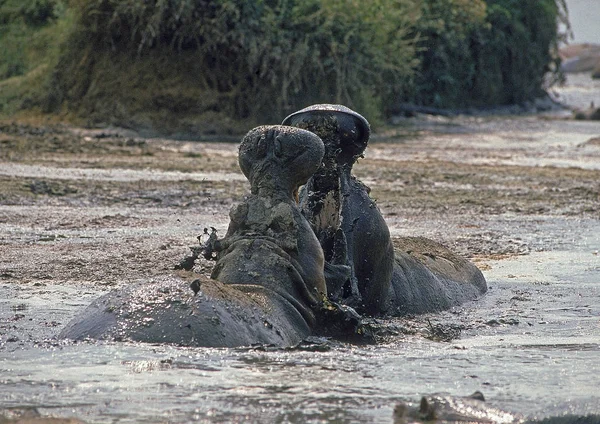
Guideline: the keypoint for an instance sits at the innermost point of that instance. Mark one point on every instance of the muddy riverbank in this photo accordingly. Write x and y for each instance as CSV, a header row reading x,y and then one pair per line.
x,y
83,211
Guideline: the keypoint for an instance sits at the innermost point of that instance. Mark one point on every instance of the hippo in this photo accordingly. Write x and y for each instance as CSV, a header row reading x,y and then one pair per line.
x,y
346,220
449,409
268,282
590,114
417,275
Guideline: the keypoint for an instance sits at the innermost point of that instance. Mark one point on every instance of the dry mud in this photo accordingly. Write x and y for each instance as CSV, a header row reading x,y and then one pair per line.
x,y
83,211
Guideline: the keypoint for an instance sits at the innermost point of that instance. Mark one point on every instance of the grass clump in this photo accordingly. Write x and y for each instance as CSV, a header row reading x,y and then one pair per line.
x,y
31,32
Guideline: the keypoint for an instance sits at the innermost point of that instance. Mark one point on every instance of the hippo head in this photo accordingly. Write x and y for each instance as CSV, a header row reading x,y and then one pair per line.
x,y
344,132
278,157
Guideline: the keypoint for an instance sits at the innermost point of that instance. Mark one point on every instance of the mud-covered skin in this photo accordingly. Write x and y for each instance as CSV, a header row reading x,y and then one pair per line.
x,y
268,241
420,276
449,409
428,277
268,279
590,114
333,199
168,311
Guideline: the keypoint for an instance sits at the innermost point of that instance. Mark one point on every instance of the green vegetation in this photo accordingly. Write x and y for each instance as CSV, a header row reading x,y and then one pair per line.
x,y
196,61
486,53
202,66
31,33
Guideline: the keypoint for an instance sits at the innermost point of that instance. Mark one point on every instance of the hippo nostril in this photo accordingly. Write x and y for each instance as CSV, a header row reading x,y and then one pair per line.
x,y
195,286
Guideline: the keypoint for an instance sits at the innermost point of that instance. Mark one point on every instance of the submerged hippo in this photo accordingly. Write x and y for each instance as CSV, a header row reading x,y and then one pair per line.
x,y
268,283
448,409
419,276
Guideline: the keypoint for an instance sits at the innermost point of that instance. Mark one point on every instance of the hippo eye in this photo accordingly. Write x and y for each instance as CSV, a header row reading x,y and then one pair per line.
x,y
261,147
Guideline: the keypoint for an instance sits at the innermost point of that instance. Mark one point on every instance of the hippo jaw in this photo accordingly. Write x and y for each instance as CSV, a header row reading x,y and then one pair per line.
x,y
344,132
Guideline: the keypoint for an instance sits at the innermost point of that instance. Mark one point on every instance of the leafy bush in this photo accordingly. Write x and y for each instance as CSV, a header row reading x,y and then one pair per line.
x,y
15,17
444,49
259,59
39,12
523,39
488,53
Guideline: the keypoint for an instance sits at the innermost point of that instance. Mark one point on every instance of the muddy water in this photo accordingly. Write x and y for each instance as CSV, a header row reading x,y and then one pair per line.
x,y
532,345
519,195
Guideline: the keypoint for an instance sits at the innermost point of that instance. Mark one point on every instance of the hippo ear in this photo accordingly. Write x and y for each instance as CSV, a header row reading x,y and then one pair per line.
x,y
477,396
424,406
427,410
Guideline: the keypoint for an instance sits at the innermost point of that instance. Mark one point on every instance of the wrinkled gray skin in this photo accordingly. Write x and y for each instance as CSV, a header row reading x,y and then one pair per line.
x,y
448,409
420,276
268,280
428,277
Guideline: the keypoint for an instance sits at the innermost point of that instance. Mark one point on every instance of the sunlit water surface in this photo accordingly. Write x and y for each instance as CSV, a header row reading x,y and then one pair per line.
x,y
531,345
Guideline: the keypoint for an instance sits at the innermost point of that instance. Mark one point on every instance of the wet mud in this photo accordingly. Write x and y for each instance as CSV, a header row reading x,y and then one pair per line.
x,y
83,212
